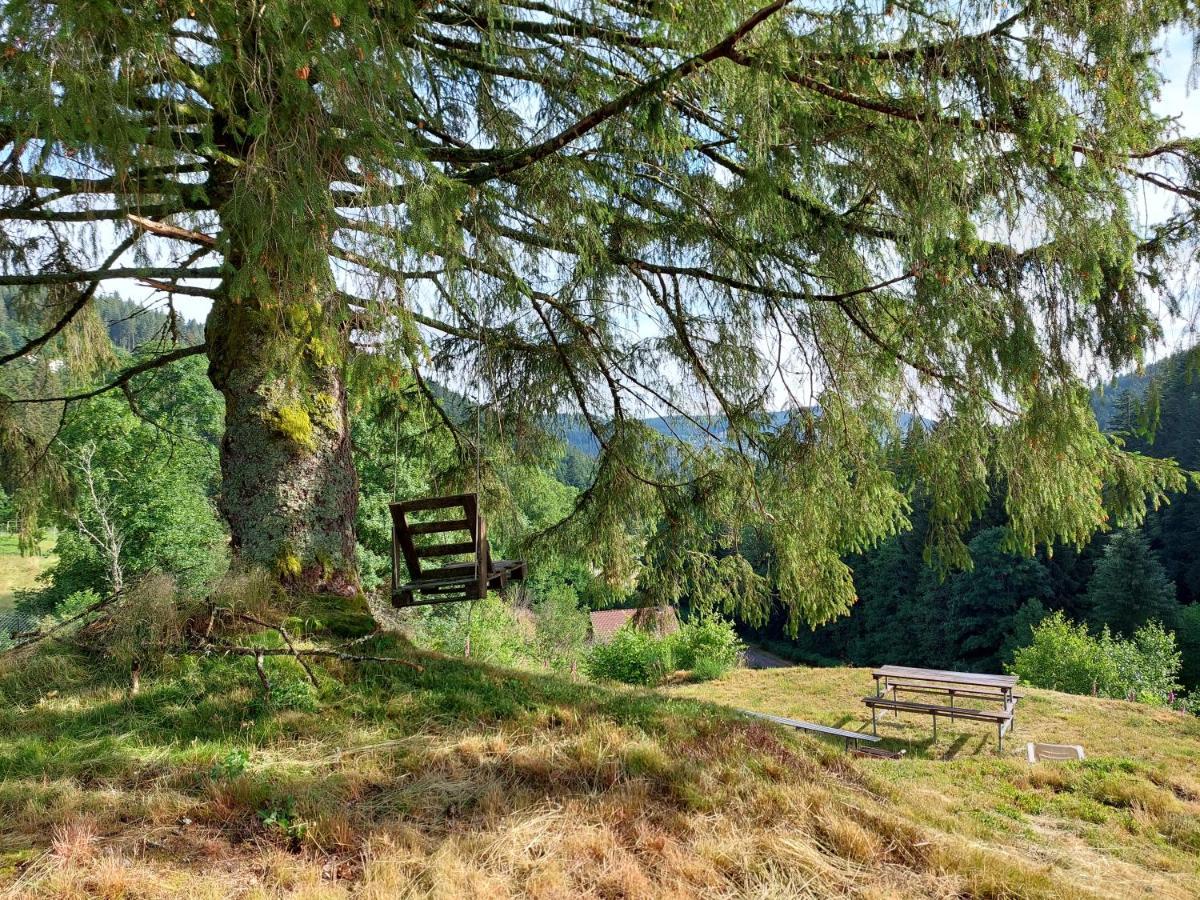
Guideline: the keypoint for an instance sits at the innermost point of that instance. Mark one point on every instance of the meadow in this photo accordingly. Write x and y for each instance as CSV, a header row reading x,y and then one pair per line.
x,y
466,780
19,572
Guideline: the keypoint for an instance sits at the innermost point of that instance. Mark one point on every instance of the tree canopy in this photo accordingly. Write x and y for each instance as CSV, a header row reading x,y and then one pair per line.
x,y
864,214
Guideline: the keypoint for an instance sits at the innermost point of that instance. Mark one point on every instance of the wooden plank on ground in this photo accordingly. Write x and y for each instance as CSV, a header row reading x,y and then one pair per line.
x,y
812,726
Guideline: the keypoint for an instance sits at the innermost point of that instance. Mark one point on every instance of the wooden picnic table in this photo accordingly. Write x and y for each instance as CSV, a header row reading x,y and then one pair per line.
x,y
970,685
980,685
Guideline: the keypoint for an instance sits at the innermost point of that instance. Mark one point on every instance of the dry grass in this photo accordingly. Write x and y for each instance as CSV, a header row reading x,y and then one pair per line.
x,y
19,572
467,781
1124,823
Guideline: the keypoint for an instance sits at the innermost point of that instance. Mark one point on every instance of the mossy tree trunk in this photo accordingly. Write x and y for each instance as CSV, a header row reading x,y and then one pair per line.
x,y
289,489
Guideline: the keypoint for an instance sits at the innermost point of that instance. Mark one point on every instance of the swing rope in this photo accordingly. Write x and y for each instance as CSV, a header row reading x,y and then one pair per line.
x,y
455,581
480,366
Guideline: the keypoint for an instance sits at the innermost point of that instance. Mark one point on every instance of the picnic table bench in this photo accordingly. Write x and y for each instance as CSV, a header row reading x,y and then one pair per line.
x,y
850,737
947,683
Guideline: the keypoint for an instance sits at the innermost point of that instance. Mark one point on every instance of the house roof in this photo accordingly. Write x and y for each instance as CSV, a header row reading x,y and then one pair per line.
x,y
606,622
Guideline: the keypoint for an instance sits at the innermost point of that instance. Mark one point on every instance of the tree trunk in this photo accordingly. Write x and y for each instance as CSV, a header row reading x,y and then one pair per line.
x,y
278,338
289,488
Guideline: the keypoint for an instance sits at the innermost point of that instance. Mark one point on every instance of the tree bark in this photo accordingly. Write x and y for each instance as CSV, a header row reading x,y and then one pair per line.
x,y
289,488
278,344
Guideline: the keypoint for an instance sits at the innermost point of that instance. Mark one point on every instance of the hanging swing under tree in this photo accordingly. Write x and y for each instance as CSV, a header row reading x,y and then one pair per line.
x,y
474,572
470,578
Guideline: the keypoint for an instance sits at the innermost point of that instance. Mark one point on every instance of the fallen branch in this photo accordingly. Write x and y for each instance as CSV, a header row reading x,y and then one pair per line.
x,y
287,639
262,673
316,653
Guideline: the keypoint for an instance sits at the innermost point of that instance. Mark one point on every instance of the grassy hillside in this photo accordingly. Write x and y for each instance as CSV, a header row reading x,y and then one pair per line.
x,y
464,780
18,572
1124,823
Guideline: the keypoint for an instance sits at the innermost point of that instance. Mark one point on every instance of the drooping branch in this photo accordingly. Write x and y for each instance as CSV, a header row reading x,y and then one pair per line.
x,y
527,157
895,109
123,378
72,311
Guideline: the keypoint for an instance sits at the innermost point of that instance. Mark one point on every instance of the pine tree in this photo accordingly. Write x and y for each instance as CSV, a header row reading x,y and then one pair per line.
x,y
1188,638
618,209
986,603
1129,586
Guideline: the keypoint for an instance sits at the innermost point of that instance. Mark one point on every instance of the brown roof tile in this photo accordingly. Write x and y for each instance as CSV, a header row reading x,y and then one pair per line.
x,y
606,622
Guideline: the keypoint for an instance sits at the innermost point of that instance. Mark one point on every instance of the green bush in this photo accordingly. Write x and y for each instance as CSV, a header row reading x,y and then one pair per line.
x,y
495,633
633,656
709,647
560,627
1066,657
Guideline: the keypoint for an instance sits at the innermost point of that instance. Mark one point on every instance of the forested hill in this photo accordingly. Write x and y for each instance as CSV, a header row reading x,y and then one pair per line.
x,y
129,324
1139,392
908,614
697,431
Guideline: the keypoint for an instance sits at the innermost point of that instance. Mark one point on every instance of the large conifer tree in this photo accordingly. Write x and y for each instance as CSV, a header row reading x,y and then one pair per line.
x,y
706,210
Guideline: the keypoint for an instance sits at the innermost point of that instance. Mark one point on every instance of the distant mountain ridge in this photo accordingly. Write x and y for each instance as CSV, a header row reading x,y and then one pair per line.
x,y
575,432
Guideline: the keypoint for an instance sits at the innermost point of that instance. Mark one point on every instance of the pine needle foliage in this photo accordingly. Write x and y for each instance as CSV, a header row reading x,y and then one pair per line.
x,y
859,212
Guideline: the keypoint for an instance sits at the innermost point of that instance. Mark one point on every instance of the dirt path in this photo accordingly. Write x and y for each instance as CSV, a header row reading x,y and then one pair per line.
x,y
758,658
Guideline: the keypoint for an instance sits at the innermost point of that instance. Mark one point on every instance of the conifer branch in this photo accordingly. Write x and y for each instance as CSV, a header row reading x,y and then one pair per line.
x,y
73,310
723,48
123,378
165,229
34,279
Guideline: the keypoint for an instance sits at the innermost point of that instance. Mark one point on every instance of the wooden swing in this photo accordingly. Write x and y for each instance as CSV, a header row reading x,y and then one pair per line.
x,y
474,572
467,579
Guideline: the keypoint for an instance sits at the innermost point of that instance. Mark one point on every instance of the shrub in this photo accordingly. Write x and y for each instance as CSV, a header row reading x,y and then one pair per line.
x,y
72,605
633,656
1066,657
709,647
496,635
560,627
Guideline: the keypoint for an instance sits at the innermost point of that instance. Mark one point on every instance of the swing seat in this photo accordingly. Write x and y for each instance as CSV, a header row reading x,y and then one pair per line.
x,y
454,581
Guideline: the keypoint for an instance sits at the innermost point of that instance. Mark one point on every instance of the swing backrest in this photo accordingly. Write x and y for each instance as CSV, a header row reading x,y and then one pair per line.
x,y
469,522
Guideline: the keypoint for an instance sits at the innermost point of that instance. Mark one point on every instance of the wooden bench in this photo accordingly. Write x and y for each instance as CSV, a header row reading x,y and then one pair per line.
x,y
1001,717
850,737
952,692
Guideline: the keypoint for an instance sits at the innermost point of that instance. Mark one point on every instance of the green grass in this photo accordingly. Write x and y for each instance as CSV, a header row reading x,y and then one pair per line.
x,y
19,572
465,780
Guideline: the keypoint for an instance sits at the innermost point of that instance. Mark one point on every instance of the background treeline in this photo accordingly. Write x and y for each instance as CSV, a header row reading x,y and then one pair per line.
x,y
910,614
129,325
138,483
